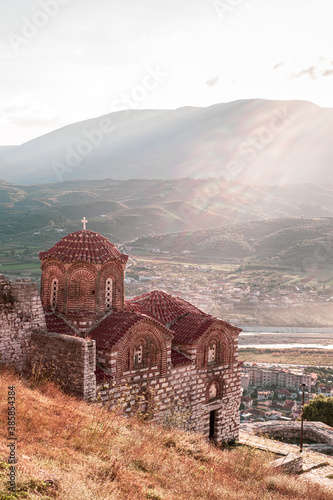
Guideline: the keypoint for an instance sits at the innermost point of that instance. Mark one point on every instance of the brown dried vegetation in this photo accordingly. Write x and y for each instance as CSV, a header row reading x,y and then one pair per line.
x,y
69,450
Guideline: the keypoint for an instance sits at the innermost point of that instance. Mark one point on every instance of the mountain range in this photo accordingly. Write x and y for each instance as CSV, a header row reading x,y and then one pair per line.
x,y
204,220
249,141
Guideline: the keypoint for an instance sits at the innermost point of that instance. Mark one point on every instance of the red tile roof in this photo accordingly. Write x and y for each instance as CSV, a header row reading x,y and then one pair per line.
x,y
114,326
84,246
162,306
187,322
177,358
191,327
55,324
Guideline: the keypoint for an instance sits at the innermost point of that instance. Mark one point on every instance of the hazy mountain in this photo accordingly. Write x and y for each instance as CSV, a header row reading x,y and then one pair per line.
x,y
250,141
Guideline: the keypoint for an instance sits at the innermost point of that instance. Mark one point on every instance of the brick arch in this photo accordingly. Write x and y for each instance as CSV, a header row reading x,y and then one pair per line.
x,y
81,290
52,271
217,380
113,271
151,338
224,347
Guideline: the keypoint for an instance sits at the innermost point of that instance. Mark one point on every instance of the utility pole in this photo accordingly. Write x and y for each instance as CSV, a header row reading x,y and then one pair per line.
x,y
301,440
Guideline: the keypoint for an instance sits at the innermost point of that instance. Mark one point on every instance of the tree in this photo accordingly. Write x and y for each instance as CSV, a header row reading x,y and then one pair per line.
x,y
320,409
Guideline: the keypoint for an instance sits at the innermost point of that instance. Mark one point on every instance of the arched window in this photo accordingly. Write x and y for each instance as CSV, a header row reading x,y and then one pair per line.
x,y
138,355
212,352
212,391
54,293
108,293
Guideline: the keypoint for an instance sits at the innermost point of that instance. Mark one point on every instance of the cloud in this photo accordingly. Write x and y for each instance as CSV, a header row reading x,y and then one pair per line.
x,y
327,72
310,72
277,65
322,69
212,81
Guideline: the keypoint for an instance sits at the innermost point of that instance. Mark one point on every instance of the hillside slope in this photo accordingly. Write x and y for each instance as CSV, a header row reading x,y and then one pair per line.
x,y
251,141
70,450
294,244
123,210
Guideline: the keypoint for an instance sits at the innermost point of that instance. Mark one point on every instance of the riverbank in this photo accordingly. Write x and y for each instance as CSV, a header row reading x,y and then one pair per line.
x,y
304,357
280,338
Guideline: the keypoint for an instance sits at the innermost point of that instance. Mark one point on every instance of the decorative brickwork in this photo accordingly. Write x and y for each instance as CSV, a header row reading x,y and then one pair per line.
x,y
157,355
200,383
82,262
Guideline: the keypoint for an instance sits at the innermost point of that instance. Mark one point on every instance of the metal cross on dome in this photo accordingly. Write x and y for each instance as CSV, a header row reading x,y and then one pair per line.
x,y
84,222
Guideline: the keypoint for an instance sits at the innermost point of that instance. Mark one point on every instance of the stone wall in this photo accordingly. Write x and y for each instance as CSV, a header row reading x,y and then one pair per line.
x,y
21,313
70,361
315,431
181,397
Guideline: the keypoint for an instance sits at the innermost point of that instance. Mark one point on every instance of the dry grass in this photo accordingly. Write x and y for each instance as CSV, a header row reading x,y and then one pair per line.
x,y
70,450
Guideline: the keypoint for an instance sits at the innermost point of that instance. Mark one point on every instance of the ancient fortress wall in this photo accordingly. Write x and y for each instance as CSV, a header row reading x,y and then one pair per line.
x,y
25,344
21,313
70,361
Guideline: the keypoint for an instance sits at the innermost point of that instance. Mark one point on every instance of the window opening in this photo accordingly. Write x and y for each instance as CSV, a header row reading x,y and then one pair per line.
x,y
54,293
138,355
108,293
213,391
212,353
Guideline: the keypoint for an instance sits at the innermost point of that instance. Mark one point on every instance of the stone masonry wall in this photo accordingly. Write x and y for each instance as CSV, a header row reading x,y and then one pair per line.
x,y
21,313
181,396
71,361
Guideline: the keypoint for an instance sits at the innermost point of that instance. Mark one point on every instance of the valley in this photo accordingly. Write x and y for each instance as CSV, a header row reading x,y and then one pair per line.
x,y
251,255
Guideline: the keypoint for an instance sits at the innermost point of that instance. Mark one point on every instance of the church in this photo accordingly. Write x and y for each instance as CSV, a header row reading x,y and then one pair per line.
x,y
156,355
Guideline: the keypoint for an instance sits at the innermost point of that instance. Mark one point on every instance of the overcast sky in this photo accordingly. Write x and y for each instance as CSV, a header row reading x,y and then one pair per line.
x,y
63,61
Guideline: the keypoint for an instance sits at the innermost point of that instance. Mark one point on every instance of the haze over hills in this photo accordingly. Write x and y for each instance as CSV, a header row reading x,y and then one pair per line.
x,y
249,141
288,227
295,245
123,210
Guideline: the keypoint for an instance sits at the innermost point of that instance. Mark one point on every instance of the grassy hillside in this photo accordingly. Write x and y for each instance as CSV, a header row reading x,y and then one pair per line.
x,y
69,450
135,208
295,244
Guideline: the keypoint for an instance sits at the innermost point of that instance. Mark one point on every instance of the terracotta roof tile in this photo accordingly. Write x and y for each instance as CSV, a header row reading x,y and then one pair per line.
x,y
164,307
55,324
177,358
113,327
190,328
84,246
186,321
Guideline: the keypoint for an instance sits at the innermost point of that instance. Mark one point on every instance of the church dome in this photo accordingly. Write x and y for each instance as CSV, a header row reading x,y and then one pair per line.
x,y
84,246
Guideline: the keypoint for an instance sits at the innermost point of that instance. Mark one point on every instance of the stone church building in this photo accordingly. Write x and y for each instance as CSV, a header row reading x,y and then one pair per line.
x,y
155,354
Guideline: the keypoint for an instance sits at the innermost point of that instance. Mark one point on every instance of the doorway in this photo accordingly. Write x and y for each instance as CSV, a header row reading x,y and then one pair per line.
x,y
212,418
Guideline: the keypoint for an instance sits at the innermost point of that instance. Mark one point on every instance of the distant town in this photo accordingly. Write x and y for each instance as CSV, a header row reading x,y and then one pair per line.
x,y
239,295
273,392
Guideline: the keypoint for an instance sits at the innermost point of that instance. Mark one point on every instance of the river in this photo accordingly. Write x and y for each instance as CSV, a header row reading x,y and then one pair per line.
x,y
279,338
